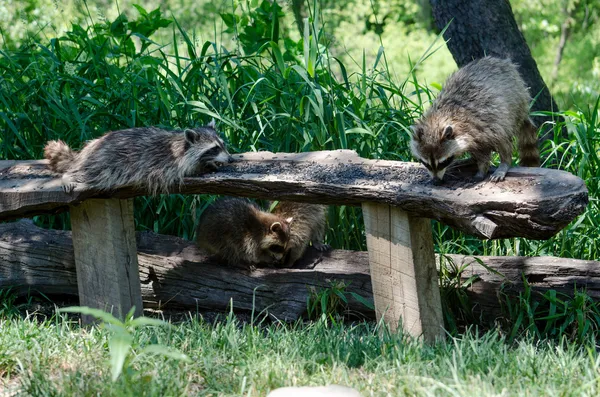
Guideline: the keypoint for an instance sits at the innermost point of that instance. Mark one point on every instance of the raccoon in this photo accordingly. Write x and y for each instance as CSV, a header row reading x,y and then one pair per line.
x,y
146,157
308,225
480,109
240,233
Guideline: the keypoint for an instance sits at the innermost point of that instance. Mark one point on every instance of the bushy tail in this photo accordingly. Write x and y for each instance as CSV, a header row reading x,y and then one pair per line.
x,y
529,152
60,155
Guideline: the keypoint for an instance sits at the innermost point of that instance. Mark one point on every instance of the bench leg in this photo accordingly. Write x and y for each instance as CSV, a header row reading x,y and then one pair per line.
x,y
403,272
106,256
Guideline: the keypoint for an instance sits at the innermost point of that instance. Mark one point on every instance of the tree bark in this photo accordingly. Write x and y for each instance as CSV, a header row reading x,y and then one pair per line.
x,y
176,275
482,27
565,30
299,15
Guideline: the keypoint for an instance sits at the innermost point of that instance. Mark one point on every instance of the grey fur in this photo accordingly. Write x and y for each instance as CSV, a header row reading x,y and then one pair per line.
x,y
308,225
480,109
240,233
150,158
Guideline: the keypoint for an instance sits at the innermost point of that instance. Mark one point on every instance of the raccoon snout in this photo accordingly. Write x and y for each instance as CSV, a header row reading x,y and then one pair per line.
x,y
437,181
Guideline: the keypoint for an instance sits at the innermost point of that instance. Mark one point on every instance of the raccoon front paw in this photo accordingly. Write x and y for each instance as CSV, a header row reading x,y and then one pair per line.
x,y
500,173
497,177
321,247
69,188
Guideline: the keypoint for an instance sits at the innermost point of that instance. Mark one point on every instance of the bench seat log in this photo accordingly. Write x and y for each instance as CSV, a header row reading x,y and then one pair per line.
x,y
533,203
106,256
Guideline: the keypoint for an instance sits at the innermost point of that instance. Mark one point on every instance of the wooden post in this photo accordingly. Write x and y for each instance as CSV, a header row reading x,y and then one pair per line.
x,y
106,256
403,272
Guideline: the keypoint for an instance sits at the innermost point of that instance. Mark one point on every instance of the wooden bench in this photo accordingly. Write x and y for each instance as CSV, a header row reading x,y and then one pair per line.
x,y
397,198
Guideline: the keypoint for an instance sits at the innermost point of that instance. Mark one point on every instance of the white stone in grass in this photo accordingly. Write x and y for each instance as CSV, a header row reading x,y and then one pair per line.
x,y
318,391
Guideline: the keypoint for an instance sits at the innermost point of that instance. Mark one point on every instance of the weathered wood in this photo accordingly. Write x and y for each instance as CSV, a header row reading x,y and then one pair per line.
x,y
106,256
403,273
176,275
531,202
542,273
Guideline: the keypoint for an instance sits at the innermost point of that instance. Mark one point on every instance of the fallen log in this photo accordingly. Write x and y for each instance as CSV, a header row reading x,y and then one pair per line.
x,y
176,275
532,202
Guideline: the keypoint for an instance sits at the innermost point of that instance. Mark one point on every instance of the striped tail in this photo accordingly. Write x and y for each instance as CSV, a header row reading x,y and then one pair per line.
x,y
60,156
529,152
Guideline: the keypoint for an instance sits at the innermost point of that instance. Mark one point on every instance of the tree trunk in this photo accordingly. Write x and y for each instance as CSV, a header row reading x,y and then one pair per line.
x,y
299,15
564,36
483,27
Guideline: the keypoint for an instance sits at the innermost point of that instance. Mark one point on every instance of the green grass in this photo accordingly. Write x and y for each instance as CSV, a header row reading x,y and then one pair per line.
x,y
57,358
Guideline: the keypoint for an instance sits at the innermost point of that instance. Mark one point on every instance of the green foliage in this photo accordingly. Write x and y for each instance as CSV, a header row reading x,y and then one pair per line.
x,y
552,315
332,302
121,344
574,80
7,303
254,27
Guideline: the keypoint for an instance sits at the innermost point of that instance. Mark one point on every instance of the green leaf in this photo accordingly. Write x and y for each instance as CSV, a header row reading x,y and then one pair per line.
x,y
229,19
165,351
119,27
278,57
97,313
143,321
362,300
141,10
324,298
119,346
359,130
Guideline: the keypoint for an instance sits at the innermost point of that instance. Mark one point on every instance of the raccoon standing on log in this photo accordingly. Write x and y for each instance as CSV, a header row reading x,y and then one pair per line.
x,y
480,109
150,158
308,225
239,233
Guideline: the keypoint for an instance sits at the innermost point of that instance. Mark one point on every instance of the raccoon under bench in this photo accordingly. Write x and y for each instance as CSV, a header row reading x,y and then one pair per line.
x,y
397,198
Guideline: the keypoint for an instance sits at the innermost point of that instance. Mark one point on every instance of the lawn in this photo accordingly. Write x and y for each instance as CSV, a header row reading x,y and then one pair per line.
x,y
56,357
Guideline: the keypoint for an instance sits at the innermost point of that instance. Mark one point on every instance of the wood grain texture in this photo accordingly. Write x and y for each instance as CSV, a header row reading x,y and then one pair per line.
x,y
106,256
403,273
532,202
176,275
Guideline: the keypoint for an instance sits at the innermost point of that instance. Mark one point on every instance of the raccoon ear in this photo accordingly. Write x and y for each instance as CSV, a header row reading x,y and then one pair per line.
x,y
191,136
212,124
276,227
416,132
448,133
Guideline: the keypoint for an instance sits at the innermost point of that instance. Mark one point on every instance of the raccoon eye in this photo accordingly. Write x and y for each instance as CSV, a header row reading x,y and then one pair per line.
x,y
212,152
425,164
445,163
277,249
